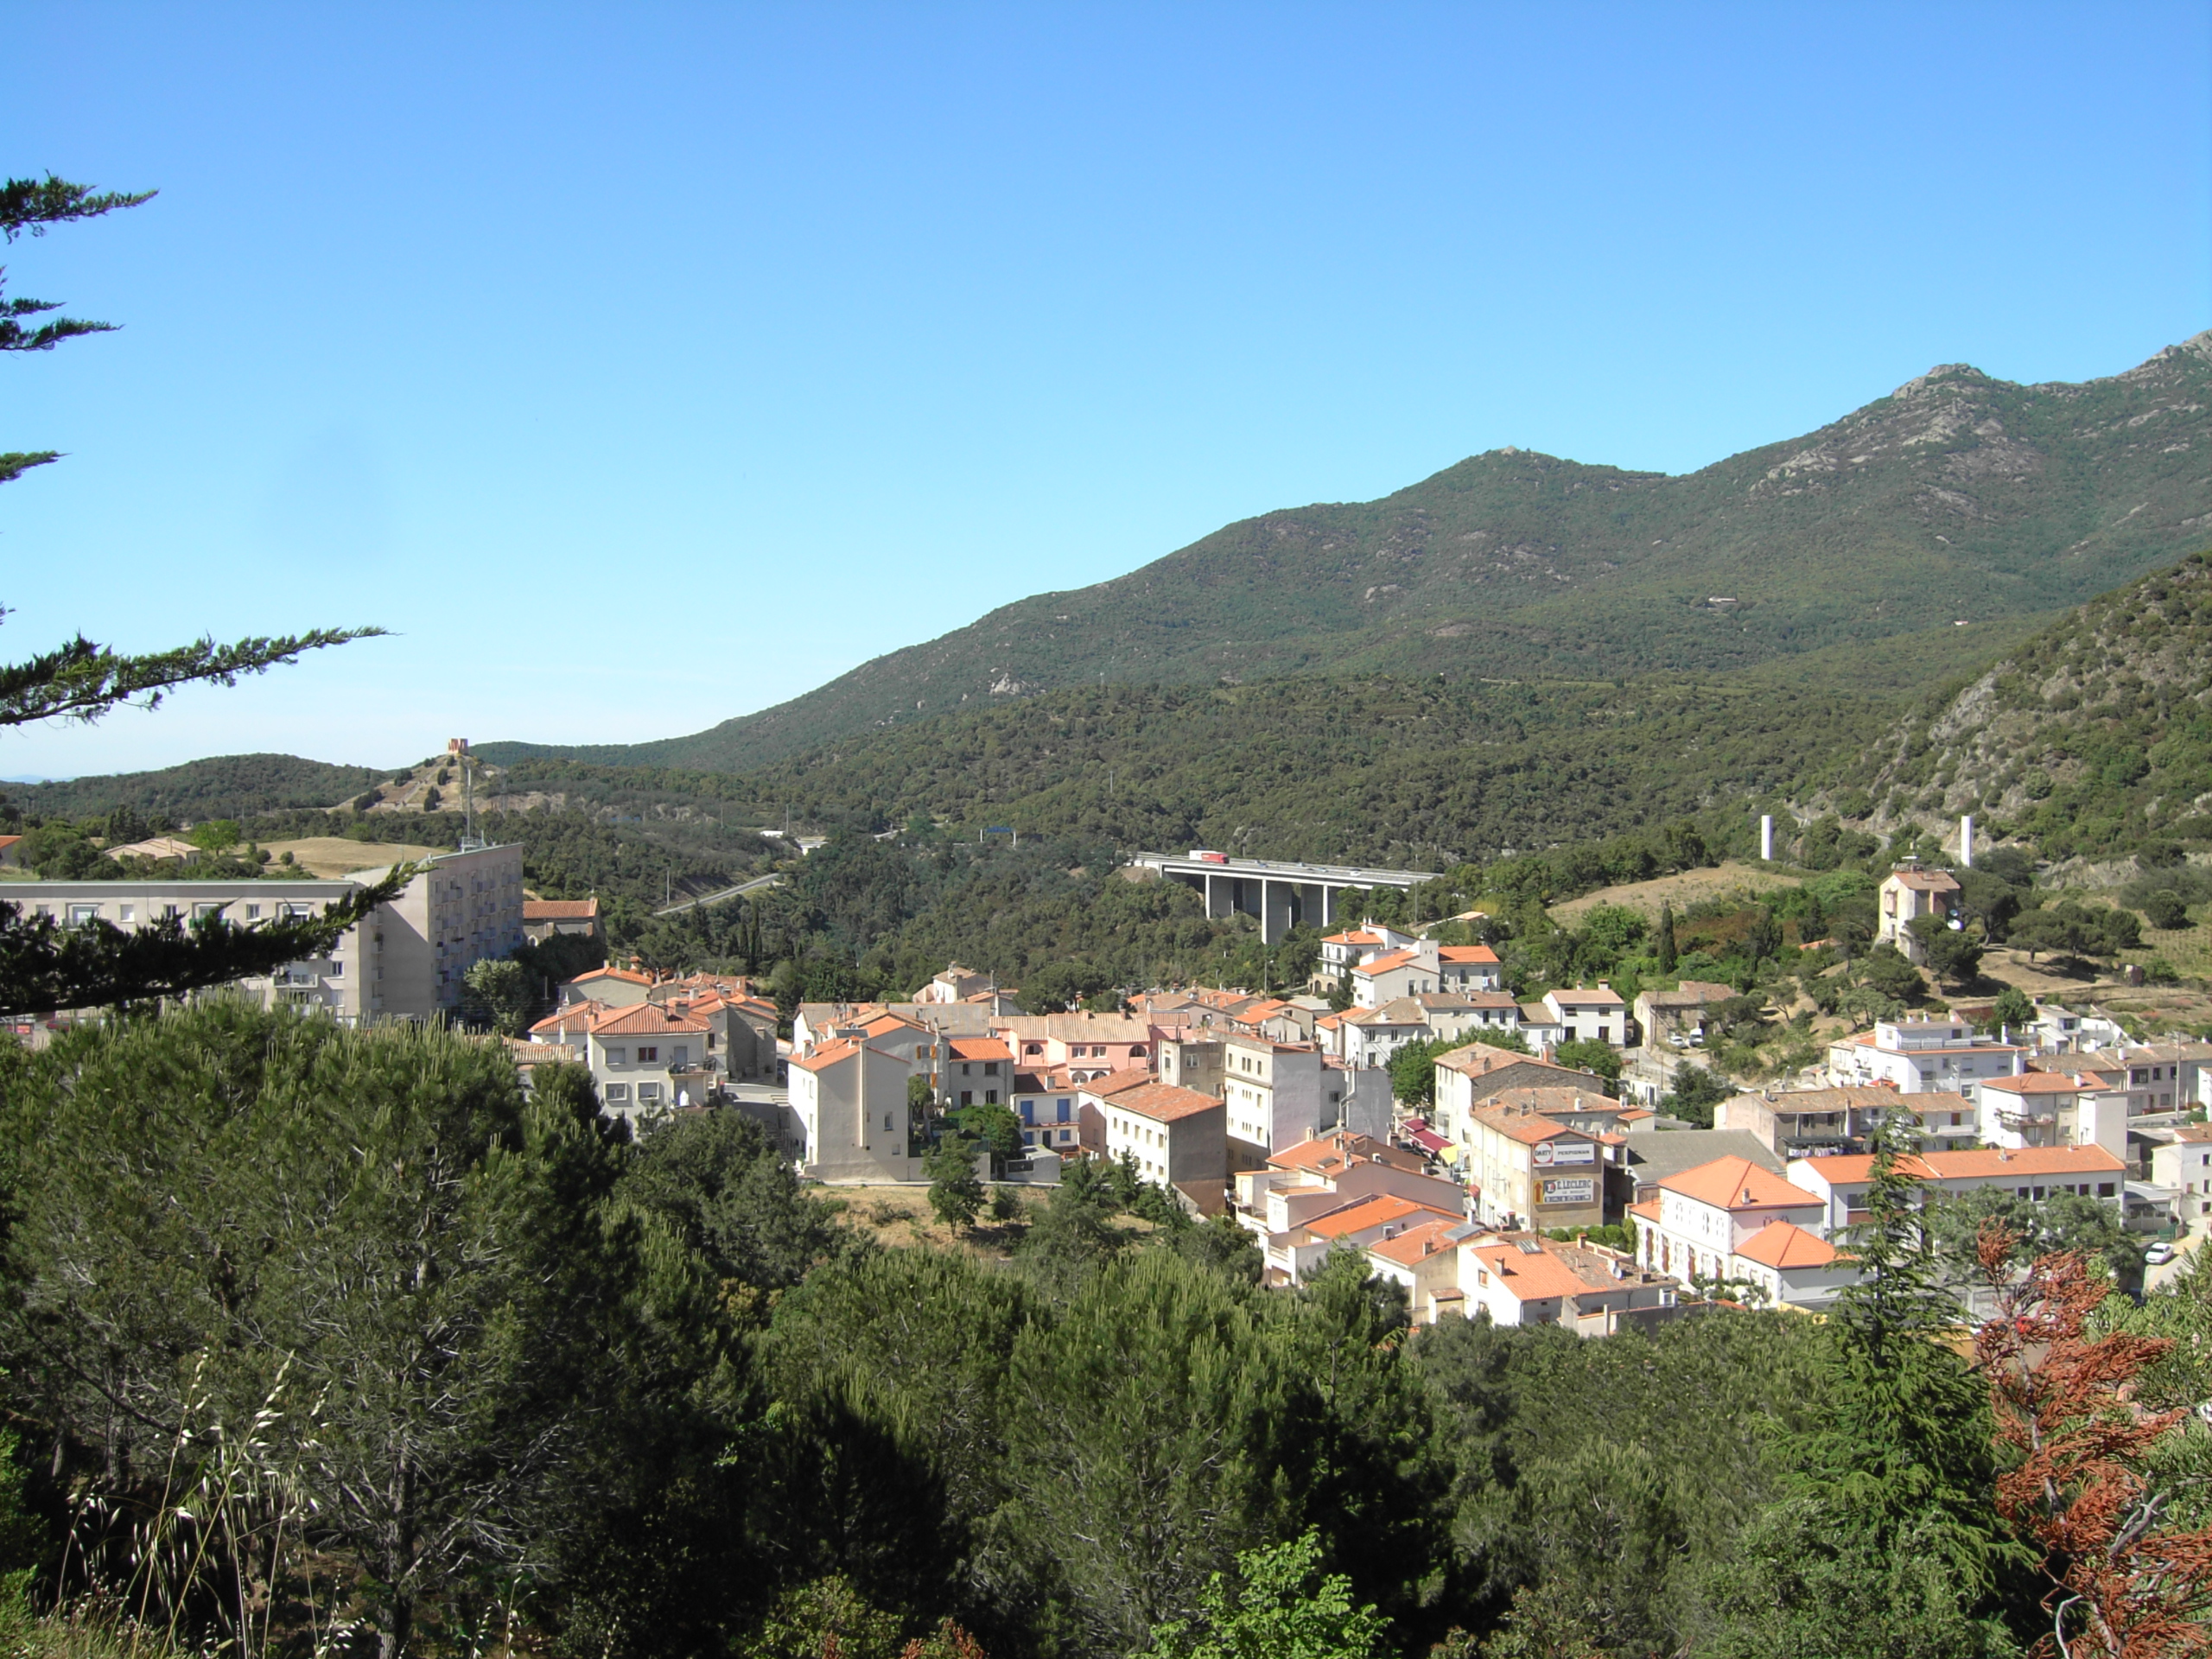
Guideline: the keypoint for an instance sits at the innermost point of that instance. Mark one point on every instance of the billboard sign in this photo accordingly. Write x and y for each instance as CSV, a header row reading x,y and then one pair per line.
x,y
1566,1152
1571,1189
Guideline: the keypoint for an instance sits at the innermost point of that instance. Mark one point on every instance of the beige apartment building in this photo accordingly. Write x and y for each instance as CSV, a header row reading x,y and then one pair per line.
x,y
405,963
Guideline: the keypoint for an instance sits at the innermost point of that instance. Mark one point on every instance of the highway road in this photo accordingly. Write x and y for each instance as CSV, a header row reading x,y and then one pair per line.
x,y
739,891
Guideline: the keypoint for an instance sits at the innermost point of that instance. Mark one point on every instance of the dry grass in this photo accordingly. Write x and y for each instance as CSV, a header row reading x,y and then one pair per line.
x,y
899,1217
329,856
1682,891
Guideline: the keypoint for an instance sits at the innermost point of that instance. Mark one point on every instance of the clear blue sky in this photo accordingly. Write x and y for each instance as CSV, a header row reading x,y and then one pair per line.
x,y
645,366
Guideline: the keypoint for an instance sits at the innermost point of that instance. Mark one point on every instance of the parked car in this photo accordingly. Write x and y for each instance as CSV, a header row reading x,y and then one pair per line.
x,y
2158,1254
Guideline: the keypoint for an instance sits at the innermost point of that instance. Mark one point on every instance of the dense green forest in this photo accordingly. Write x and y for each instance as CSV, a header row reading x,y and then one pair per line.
x,y
656,1398
1958,497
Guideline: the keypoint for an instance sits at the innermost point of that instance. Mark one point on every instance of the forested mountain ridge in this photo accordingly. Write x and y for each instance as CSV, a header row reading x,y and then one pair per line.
x,y
221,786
1957,497
2093,737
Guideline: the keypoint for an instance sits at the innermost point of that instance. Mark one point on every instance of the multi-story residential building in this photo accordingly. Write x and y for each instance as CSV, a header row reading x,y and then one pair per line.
x,y
1280,1094
1177,1137
2182,1165
2034,1173
1424,968
1365,1037
1088,1045
1189,1059
1704,1218
1908,893
2058,1030
1092,1098
1587,1014
404,963
1793,1123
1342,952
1047,1103
977,1071
1470,1076
1916,1056
2054,1108
646,1058
1529,1170
850,1100
1307,1181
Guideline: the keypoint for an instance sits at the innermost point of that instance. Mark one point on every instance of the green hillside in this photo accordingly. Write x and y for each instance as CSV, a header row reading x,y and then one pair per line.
x,y
1958,497
2092,738
222,786
1425,773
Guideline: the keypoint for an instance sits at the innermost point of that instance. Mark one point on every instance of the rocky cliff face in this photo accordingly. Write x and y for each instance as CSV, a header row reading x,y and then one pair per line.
x,y
2090,738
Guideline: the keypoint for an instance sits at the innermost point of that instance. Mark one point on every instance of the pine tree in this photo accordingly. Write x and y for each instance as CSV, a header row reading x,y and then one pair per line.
x,y
1906,1451
43,966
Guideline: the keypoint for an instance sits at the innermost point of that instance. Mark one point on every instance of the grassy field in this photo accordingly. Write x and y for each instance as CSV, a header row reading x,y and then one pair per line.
x,y
1680,890
335,855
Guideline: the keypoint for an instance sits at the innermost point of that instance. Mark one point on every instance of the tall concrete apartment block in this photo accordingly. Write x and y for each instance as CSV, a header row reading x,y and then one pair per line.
x,y
404,963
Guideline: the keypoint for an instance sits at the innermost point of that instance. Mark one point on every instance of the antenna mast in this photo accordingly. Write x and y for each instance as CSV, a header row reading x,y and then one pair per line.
x,y
458,747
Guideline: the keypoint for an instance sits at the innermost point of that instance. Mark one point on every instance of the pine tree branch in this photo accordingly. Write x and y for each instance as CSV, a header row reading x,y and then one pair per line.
x,y
34,204
82,680
15,462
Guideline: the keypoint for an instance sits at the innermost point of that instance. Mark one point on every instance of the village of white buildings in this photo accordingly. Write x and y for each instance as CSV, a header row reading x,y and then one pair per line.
x,y
1278,1112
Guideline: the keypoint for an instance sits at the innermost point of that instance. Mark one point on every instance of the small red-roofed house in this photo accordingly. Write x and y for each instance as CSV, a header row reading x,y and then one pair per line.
x,y
1523,1279
616,986
978,1071
1787,1267
1352,1223
1315,1177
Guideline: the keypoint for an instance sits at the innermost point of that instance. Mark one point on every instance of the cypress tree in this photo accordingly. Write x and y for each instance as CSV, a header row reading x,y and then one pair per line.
x,y
1667,957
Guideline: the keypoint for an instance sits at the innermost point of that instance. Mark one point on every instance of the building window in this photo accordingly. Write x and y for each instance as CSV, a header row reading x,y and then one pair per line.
x,y
2104,1189
129,911
618,1056
967,1096
680,1056
648,1055
80,914
990,1097
648,1091
1061,1106
617,1093
990,1068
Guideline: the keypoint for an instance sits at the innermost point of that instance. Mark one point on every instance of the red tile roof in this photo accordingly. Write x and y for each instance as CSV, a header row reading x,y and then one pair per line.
x,y
1481,953
1113,1083
979,1048
1530,1128
1378,1211
1737,1184
1849,1171
1163,1102
1784,1244
1419,1240
559,910
1924,880
647,1019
